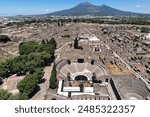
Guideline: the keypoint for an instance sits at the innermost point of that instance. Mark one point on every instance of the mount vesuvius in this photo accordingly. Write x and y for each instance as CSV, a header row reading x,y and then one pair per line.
x,y
93,10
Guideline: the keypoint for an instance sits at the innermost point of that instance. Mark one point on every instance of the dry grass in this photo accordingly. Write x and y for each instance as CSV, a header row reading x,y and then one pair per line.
x,y
140,67
115,70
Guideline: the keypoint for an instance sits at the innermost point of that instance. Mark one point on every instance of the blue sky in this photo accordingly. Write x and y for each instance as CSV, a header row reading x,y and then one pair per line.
x,y
28,7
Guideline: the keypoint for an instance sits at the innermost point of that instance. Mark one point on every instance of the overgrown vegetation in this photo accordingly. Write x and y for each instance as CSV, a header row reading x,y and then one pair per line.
x,y
76,44
136,39
29,85
4,38
145,30
53,78
33,57
4,95
134,21
61,22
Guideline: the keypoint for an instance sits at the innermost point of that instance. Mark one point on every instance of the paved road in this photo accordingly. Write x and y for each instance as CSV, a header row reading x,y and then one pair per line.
x,y
63,46
58,97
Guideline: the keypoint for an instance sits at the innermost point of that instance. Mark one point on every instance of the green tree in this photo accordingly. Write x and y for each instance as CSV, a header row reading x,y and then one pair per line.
x,y
33,55
53,42
43,41
4,95
29,84
53,78
4,38
145,30
76,43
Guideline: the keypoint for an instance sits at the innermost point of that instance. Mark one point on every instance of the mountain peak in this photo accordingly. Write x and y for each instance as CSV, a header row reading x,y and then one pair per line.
x,y
85,3
104,5
87,8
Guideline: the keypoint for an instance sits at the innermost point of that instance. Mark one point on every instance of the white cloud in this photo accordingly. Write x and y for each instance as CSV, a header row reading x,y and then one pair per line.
x,y
138,6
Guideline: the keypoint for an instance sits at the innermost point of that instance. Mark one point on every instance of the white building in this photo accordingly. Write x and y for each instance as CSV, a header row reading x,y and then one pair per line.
x,y
88,38
148,36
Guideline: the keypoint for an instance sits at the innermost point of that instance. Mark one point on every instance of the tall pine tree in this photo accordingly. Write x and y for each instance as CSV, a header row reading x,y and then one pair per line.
x,y
53,78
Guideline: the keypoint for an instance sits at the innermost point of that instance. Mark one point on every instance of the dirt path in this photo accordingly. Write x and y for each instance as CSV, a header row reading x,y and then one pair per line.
x,y
10,84
44,86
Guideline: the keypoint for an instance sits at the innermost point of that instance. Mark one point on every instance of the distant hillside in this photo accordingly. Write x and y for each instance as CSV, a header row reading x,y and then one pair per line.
x,y
93,10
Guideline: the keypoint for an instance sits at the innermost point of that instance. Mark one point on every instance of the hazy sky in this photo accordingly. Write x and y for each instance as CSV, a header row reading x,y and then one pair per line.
x,y
27,7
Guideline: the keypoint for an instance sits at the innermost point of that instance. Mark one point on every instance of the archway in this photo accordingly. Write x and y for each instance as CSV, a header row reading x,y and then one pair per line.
x,y
81,78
